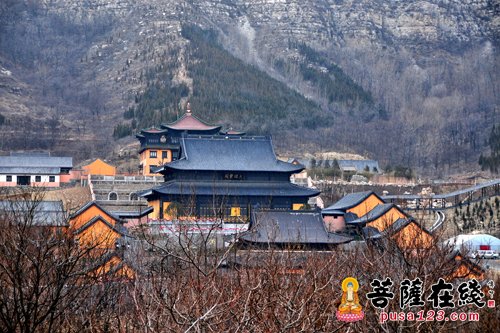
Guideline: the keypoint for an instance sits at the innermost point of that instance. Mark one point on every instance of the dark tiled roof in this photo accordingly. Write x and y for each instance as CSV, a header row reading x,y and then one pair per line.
x,y
374,214
349,201
390,230
232,188
45,213
35,160
371,233
90,204
134,214
291,227
333,212
397,226
219,153
95,219
30,170
348,217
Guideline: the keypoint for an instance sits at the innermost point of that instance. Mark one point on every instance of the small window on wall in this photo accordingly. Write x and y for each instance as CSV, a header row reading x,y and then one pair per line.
x,y
9,178
38,179
235,211
52,179
153,154
164,155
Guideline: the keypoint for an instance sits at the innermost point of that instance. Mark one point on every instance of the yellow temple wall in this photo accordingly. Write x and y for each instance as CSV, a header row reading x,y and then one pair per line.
x,y
78,221
148,161
412,236
99,167
98,235
387,219
367,205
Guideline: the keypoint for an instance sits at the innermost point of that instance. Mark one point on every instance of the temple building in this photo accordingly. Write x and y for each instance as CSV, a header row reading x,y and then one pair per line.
x,y
162,145
299,230
366,214
225,177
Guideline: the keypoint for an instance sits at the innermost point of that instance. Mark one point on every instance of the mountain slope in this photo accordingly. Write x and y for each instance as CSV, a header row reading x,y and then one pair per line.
x,y
412,83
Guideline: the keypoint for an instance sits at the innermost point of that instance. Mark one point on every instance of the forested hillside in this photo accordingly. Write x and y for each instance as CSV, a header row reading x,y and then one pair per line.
x,y
228,91
410,83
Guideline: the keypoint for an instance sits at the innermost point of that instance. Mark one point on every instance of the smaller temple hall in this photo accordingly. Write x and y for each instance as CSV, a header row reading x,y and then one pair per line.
x,y
162,145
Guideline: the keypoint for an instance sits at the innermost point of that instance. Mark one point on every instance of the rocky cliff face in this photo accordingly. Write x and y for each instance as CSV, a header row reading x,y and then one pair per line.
x,y
74,67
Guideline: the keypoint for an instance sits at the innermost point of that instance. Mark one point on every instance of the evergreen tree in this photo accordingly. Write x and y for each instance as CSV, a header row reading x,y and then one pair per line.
x,y
492,162
313,163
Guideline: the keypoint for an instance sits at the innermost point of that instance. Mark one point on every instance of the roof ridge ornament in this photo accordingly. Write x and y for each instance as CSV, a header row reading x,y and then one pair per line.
x,y
188,108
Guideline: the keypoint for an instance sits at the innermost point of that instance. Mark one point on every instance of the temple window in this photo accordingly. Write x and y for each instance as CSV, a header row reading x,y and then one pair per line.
x,y
38,179
152,154
112,196
235,211
52,179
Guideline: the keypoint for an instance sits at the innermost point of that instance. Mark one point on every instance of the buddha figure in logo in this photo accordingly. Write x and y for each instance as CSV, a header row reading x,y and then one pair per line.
x,y
350,300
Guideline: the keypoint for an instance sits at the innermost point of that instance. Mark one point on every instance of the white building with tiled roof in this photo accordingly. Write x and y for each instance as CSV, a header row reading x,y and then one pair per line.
x,y
34,169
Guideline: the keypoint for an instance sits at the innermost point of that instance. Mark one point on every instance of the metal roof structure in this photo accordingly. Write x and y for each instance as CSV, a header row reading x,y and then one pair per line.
x,y
225,153
37,213
445,195
291,228
231,188
474,241
467,190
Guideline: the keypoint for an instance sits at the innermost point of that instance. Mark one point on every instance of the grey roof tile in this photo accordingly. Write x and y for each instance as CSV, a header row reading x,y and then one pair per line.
x,y
220,153
35,160
291,227
90,204
45,213
30,170
375,213
348,201
232,188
